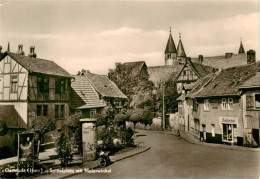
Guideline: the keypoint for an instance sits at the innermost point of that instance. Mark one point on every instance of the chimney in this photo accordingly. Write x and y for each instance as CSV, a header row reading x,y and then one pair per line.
x,y
228,55
20,49
32,53
0,49
251,56
200,59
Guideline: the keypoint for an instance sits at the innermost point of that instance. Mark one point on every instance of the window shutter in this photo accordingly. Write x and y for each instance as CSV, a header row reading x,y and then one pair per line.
x,y
249,101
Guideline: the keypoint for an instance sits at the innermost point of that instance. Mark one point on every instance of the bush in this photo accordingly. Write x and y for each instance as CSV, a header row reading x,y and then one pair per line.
x,y
64,149
107,136
126,135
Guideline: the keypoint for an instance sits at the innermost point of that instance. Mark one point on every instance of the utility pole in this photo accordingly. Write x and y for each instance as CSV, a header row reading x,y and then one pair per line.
x,y
164,124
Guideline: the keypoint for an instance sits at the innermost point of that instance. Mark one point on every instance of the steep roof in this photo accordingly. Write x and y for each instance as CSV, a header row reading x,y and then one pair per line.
x,y
170,47
135,67
241,48
199,69
12,118
105,86
222,61
253,82
203,70
83,94
38,65
228,81
160,74
180,50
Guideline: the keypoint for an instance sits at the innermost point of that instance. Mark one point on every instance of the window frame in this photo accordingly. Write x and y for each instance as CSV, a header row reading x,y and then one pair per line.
x,y
256,101
224,104
92,112
228,104
14,84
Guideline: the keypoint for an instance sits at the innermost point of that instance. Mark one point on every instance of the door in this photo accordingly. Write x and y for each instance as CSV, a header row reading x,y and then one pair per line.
x,y
204,132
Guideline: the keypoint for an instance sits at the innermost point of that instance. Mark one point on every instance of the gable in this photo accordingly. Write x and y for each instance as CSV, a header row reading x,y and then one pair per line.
x,y
187,74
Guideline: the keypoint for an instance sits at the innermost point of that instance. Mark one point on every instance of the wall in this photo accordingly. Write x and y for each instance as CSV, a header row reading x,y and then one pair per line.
x,y
213,116
251,118
32,112
10,68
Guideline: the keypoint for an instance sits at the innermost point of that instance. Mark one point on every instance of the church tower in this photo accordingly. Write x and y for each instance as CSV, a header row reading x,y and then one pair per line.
x,y
170,51
181,55
241,48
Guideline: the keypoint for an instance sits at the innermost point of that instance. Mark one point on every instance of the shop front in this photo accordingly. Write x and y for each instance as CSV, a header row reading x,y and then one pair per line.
x,y
229,129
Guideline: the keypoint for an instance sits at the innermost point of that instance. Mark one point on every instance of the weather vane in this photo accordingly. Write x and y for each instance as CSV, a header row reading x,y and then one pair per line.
x,y
240,39
170,29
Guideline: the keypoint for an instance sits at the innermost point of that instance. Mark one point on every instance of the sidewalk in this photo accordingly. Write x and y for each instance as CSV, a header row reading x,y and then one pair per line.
x,y
93,164
42,156
190,138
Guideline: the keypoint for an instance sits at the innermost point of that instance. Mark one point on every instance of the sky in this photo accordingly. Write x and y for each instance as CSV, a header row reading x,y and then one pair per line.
x,y
94,35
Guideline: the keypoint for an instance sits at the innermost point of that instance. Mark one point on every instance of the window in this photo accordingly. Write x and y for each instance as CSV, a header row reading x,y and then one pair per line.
x,y
43,84
230,104
195,105
56,111
257,100
118,103
249,101
42,110
39,110
206,105
224,104
59,111
78,113
93,112
213,130
169,56
14,84
60,86
45,110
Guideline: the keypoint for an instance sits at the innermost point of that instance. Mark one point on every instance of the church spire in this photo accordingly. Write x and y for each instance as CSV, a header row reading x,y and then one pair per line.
x,y
241,48
180,48
170,47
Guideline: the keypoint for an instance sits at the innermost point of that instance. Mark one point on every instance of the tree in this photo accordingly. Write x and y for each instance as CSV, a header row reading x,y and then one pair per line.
x,y
64,148
42,125
136,116
120,119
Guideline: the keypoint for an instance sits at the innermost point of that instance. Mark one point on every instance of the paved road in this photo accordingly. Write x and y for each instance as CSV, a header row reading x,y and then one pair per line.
x,y
170,157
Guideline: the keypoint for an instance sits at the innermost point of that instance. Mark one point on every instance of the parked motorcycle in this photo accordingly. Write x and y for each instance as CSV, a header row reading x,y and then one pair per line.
x,y
103,159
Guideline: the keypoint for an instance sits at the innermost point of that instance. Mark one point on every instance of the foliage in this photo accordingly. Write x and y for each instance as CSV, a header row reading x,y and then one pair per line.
x,y
147,117
73,122
42,125
171,95
64,148
129,83
101,120
107,135
120,119
126,136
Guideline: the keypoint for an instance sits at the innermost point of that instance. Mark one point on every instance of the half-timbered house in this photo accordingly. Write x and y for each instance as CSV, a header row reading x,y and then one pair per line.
x,y
35,87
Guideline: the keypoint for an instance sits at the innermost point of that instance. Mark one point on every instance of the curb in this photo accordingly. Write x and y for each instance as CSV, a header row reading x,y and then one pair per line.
x,y
221,147
146,149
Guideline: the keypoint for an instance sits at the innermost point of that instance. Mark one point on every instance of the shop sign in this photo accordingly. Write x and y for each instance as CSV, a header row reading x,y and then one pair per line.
x,y
228,120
